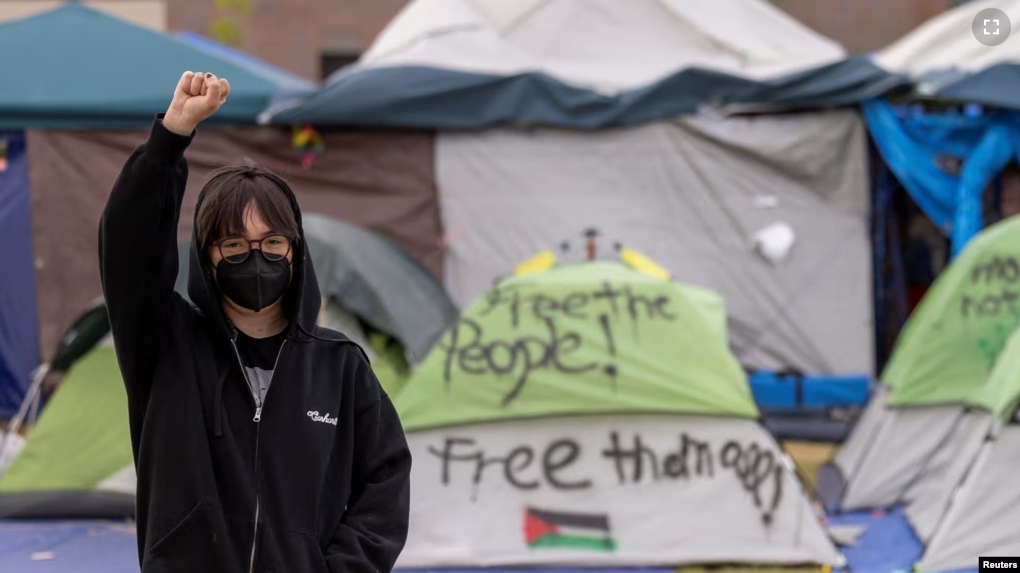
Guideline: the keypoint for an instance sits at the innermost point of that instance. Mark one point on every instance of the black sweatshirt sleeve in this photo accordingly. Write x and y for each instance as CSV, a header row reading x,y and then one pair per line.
x,y
373,530
138,252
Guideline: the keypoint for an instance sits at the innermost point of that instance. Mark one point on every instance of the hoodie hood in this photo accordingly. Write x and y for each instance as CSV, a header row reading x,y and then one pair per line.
x,y
301,303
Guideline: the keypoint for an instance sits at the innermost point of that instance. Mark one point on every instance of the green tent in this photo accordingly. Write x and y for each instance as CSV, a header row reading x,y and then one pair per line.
x,y
953,379
1002,388
572,403
595,337
76,68
78,456
950,344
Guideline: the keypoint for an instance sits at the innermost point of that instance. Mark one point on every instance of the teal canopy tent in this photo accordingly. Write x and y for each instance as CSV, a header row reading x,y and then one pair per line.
x,y
79,68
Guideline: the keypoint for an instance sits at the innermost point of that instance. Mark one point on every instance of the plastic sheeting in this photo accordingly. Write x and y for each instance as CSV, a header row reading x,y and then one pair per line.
x,y
914,146
19,322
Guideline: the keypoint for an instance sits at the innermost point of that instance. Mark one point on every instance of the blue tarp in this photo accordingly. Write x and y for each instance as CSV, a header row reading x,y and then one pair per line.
x,y
887,545
110,547
421,97
774,391
996,86
19,322
68,546
913,145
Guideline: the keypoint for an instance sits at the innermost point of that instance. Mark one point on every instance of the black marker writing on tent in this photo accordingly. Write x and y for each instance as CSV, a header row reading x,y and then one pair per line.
x,y
610,368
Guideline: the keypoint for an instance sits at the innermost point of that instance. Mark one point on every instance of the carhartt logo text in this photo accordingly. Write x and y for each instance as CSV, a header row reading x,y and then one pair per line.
x,y
324,418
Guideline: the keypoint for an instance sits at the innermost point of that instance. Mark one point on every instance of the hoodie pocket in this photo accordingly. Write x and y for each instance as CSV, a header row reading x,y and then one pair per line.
x,y
197,543
303,553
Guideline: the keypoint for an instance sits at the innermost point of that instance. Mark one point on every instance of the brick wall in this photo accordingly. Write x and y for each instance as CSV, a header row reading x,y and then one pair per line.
x,y
863,25
291,33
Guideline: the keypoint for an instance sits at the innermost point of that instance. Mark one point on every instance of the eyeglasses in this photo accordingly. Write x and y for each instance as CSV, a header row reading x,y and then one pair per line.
x,y
236,249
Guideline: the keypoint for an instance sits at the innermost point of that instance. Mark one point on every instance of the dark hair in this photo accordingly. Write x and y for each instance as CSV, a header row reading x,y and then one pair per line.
x,y
229,192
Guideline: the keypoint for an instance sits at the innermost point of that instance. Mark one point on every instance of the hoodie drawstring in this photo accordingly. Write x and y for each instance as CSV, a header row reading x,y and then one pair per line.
x,y
218,406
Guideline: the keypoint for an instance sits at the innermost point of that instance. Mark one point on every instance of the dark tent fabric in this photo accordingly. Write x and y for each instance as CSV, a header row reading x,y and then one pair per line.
x,y
434,98
79,68
19,322
379,282
371,278
381,181
70,504
90,328
996,86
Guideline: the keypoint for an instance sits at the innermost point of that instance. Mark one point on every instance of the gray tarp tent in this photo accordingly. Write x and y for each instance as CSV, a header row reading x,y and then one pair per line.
x,y
372,279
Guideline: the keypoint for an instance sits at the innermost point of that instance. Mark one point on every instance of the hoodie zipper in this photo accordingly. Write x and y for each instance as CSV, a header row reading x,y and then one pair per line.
x,y
257,419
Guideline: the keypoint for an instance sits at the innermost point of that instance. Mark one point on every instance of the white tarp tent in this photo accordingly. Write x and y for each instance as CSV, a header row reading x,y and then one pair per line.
x,y
944,58
946,43
982,520
606,45
608,490
469,64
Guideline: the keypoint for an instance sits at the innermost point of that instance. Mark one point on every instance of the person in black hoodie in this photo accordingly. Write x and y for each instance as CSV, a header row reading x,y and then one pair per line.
x,y
262,442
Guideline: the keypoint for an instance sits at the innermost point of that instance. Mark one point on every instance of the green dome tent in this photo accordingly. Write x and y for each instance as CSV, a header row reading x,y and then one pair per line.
x,y
561,414
974,523
948,394
587,338
953,339
77,461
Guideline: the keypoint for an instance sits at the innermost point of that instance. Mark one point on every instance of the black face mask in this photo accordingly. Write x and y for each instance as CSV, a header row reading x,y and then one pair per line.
x,y
255,283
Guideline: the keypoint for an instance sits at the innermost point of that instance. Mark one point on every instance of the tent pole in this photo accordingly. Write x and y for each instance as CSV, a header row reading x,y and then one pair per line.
x,y
30,396
33,392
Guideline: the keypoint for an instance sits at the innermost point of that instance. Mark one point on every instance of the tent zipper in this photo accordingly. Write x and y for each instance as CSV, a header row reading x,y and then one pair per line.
x,y
257,419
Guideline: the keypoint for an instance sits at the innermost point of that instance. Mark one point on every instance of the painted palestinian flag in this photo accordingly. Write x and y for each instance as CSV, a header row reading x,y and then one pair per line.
x,y
558,530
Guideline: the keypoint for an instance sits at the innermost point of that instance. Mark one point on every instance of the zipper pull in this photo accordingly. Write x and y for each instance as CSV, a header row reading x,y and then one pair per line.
x,y
258,414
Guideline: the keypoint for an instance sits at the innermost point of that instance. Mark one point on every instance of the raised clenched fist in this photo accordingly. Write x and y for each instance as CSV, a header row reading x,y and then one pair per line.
x,y
196,98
